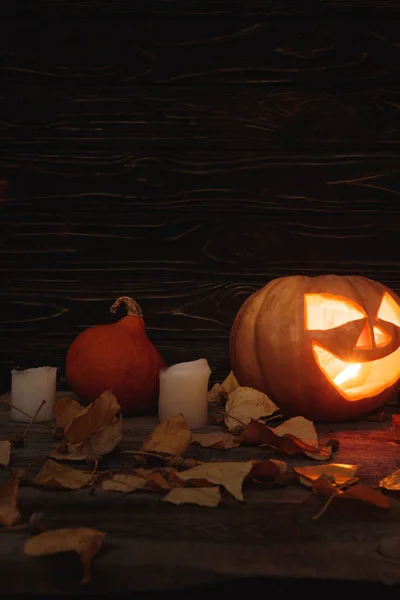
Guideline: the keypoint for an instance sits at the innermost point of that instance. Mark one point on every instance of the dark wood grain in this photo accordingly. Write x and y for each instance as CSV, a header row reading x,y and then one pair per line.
x,y
214,8
54,118
189,236
152,545
201,51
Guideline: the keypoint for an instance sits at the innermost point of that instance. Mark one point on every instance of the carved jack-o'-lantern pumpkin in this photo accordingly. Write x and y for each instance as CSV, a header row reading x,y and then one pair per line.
x,y
325,347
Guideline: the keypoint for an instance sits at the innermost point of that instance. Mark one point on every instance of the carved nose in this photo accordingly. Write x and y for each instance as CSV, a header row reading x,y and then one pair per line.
x,y
365,339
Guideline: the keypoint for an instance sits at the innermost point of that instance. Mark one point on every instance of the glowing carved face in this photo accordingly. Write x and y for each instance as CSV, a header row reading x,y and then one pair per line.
x,y
360,378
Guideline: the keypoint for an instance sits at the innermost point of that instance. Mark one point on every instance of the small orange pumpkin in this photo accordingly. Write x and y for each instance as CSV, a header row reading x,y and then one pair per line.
x,y
326,347
117,356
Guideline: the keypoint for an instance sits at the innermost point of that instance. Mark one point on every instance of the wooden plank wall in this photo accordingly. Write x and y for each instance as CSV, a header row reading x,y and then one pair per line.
x,y
185,153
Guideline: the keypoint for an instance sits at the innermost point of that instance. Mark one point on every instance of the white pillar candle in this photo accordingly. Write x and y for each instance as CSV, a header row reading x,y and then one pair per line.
x,y
29,388
183,390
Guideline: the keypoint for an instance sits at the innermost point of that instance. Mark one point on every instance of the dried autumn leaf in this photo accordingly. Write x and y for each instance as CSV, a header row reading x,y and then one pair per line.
x,y
83,540
96,416
396,421
101,442
5,452
208,496
65,410
171,437
391,481
339,473
230,474
301,429
54,475
230,383
359,491
256,433
220,440
215,393
123,483
9,510
245,404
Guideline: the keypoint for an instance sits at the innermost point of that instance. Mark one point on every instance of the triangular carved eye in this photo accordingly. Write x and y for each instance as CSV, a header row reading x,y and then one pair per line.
x,y
382,338
326,311
389,310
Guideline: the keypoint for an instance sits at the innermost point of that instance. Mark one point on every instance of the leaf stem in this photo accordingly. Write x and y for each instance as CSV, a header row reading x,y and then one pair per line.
x,y
24,413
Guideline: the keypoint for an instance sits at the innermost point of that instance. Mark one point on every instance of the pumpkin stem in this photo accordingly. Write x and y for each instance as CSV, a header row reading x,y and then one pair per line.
x,y
132,307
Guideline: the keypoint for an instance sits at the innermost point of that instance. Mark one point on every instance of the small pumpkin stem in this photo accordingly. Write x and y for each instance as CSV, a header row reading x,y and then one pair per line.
x,y
132,307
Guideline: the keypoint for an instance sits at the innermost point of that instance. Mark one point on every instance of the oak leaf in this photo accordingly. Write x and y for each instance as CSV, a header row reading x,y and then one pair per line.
x,y
100,413
358,491
9,510
65,410
337,472
216,439
207,496
5,452
83,540
123,483
391,481
245,404
231,475
55,475
171,437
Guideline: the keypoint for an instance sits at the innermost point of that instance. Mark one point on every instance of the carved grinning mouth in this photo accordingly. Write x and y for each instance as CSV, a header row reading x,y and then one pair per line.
x,y
356,381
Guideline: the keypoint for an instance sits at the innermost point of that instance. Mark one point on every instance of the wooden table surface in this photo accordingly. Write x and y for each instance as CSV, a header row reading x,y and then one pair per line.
x,y
153,546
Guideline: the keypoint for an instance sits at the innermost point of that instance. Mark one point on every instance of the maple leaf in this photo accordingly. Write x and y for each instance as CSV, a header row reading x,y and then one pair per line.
x,y
5,452
171,437
245,404
65,410
220,440
339,473
101,442
256,433
208,496
358,491
9,510
83,540
96,416
231,474
123,483
391,481
55,475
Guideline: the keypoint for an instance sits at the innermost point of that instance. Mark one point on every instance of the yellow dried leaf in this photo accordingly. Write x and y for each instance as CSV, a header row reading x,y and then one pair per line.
x,y
231,475
9,510
5,452
301,428
171,437
391,481
220,440
245,404
65,410
101,442
208,496
96,416
123,483
83,540
359,491
228,474
339,473
230,383
54,475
